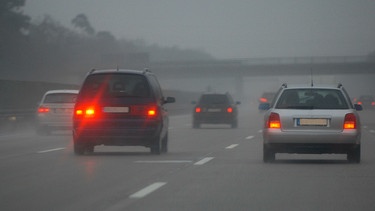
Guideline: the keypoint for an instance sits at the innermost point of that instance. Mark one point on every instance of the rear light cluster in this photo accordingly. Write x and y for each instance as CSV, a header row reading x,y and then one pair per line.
x,y
263,100
199,109
350,121
274,121
139,110
43,109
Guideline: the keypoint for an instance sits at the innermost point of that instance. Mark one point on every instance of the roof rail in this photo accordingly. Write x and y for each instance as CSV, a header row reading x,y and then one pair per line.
x,y
285,85
92,70
339,85
146,70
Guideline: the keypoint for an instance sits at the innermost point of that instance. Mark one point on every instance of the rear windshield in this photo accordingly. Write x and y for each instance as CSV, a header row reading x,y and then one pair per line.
x,y
116,85
214,99
60,98
312,99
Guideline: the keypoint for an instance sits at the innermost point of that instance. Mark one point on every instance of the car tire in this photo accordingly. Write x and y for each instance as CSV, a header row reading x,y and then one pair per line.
x,y
156,147
234,124
164,144
268,155
79,149
196,124
354,156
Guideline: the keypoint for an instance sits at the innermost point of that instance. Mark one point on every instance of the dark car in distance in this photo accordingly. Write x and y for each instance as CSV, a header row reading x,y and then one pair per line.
x,y
367,101
215,108
267,97
121,108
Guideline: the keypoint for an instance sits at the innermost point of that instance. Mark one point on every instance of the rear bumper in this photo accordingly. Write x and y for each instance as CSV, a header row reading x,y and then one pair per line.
x,y
312,148
126,135
276,136
214,118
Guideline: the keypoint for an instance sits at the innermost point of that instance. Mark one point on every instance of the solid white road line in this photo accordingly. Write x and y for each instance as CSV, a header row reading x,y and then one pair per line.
x,y
249,137
51,150
203,161
231,146
147,190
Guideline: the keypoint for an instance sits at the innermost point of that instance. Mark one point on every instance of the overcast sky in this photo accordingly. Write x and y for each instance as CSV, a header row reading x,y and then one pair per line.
x,y
229,28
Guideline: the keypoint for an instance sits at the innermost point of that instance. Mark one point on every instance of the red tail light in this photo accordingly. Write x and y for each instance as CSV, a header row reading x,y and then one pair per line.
x,y
263,100
229,109
359,103
151,112
350,121
87,112
373,103
43,109
274,121
198,110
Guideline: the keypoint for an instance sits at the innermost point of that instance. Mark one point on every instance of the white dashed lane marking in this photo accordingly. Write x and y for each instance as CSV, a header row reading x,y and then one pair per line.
x,y
231,146
147,190
249,137
203,161
51,150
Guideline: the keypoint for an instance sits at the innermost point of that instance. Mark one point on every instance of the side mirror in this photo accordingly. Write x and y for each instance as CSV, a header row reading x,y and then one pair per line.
x,y
358,107
170,100
264,106
238,102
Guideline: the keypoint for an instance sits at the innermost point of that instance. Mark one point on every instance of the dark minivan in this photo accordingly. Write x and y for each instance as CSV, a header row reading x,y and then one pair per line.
x,y
120,108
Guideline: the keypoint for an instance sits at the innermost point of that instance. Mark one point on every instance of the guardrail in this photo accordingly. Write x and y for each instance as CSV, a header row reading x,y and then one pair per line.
x,y
13,119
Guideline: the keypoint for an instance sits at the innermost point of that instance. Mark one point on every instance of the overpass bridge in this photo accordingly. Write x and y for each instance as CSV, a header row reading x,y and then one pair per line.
x,y
266,66
238,71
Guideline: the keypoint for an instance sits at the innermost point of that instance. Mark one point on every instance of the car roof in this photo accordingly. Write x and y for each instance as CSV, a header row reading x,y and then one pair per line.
x,y
62,91
314,86
94,71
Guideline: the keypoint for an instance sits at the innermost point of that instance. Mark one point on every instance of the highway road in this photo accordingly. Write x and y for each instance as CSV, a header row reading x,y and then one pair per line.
x,y
212,168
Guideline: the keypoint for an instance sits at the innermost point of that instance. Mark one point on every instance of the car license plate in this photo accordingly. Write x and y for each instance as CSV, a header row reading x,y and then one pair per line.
x,y
214,110
116,109
312,122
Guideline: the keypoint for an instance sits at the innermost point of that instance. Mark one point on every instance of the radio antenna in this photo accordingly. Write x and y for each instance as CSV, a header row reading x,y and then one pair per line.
x,y
311,75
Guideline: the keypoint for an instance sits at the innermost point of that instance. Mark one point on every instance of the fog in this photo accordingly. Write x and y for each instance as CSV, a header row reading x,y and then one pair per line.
x,y
229,29
58,48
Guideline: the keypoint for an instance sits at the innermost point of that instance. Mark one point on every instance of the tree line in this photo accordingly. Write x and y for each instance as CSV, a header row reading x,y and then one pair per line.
x,y
48,46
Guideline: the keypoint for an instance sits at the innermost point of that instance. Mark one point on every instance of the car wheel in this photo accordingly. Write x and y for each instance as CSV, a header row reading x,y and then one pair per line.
x,y
90,149
156,147
268,155
354,156
164,144
196,124
79,149
234,124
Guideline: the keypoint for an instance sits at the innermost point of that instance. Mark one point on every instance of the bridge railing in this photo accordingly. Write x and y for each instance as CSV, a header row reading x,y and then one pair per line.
x,y
304,60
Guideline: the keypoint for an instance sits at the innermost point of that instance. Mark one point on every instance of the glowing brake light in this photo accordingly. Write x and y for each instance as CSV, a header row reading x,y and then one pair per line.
x,y
43,109
151,112
198,110
274,121
359,103
350,121
85,112
229,109
263,100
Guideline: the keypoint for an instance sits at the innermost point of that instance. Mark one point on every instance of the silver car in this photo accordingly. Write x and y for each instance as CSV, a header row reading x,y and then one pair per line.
x,y
311,119
55,111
